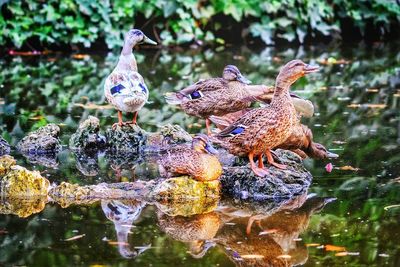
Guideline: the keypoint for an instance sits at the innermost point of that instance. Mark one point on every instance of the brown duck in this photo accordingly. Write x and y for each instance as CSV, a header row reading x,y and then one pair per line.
x,y
198,160
217,96
262,129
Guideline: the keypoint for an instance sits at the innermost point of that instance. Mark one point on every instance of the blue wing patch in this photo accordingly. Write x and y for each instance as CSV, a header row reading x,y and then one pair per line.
x,y
196,95
144,89
116,89
238,130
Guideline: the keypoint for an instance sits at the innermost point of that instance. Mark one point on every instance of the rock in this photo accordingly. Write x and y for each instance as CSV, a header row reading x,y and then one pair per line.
x,y
87,136
42,141
6,162
169,134
126,138
22,207
239,181
4,147
19,182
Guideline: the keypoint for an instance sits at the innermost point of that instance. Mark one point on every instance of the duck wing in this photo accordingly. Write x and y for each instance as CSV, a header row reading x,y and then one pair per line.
x,y
203,86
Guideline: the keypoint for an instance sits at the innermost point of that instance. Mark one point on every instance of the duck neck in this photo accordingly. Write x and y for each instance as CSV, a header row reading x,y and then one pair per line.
x,y
281,92
127,61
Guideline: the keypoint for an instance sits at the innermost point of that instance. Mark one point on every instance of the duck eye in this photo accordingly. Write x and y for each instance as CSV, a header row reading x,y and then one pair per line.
x,y
195,95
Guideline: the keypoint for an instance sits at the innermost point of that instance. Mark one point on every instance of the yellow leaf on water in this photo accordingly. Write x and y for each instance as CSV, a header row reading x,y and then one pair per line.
x,y
93,106
75,237
115,243
252,256
348,168
372,90
313,245
341,254
334,248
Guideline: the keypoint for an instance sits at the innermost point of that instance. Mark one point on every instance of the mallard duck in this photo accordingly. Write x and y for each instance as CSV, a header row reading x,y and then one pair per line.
x,y
198,160
262,129
300,140
216,96
124,88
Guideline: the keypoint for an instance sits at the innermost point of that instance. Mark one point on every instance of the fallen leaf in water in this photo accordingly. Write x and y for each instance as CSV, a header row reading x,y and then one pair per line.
x,y
286,257
252,256
269,231
333,61
378,106
313,245
75,237
36,118
329,167
80,56
93,106
339,142
116,243
396,95
334,248
391,206
348,168
383,255
345,253
97,265
372,90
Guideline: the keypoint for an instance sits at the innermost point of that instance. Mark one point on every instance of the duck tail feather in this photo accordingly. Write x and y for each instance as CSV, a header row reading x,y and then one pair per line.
x,y
173,98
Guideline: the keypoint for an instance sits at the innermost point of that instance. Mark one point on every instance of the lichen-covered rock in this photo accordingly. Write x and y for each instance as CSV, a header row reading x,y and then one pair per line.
x,y
19,182
169,134
6,162
42,141
240,181
126,138
87,135
187,207
22,207
182,188
4,147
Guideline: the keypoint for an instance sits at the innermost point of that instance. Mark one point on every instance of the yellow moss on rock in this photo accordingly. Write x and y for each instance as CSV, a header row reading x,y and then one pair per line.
x,y
19,182
22,207
5,164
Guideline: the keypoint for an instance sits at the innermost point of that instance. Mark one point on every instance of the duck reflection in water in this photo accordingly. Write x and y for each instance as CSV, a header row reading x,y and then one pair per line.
x,y
123,213
273,243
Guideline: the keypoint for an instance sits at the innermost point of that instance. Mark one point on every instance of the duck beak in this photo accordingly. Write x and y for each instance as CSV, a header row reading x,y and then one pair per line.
x,y
147,40
310,69
210,149
243,79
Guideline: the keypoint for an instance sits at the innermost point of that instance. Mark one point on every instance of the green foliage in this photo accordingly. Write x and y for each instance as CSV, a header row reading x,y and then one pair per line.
x,y
84,22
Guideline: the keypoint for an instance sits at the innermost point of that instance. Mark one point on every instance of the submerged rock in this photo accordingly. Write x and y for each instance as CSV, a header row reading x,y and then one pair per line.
x,y
87,135
240,182
4,147
42,141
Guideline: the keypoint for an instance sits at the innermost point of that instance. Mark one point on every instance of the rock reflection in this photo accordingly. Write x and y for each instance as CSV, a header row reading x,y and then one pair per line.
x,y
22,207
123,213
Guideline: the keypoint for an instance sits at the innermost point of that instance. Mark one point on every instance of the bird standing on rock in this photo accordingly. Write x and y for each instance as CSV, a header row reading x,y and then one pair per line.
x,y
262,129
124,88
217,96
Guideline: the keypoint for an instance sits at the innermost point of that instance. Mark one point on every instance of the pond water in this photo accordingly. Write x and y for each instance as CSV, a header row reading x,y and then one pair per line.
x,y
357,101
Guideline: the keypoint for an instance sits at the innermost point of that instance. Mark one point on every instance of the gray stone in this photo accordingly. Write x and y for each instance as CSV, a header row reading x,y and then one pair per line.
x,y
87,136
42,141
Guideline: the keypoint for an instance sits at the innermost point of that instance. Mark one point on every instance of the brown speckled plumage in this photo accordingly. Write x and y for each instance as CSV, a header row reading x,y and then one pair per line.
x,y
262,129
187,160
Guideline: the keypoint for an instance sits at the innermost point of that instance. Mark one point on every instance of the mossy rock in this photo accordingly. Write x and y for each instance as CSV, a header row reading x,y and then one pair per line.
x,y
4,147
128,137
87,136
19,182
42,141
6,162
240,182
22,207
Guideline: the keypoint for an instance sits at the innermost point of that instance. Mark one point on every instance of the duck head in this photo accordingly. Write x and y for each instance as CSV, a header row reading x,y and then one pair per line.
x,y
294,70
201,143
232,73
134,37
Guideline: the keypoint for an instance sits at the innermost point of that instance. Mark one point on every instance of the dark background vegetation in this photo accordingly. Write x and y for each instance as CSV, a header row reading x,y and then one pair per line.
x,y
67,24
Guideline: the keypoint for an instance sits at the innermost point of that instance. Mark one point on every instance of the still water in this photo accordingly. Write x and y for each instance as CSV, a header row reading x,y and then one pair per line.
x,y
349,217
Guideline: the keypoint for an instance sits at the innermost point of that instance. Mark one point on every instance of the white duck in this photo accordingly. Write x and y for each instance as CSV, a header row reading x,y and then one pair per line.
x,y
124,88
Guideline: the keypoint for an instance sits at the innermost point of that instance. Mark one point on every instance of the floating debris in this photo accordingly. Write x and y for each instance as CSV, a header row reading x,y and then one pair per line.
x,y
334,248
269,231
384,255
346,253
75,237
116,243
313,245
348,168
285,257
329,167
377,106
80,56
372,90
391,207
252,256
93,106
